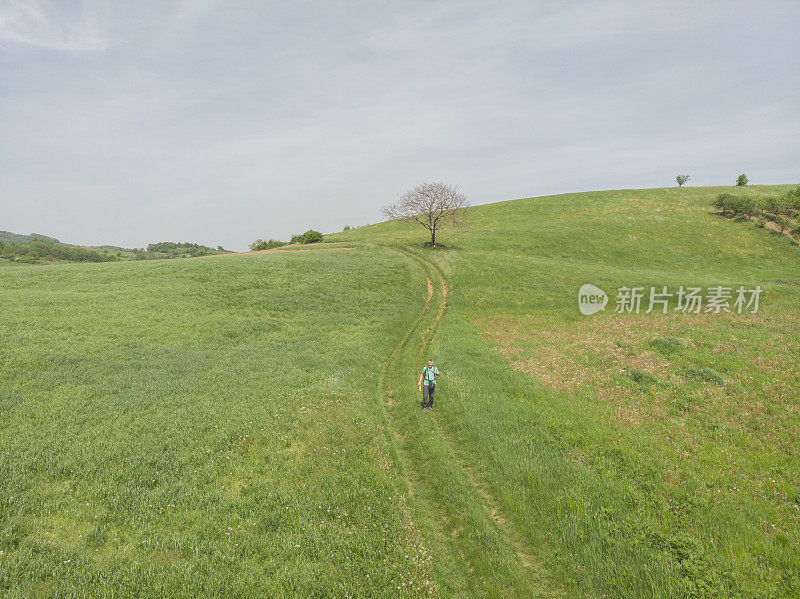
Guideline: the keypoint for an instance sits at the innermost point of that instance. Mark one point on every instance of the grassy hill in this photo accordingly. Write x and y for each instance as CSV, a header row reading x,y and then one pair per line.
x,y
242,425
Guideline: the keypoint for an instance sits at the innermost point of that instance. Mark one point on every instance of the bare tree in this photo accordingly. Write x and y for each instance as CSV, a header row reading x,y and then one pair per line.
x,y
432,205
682,179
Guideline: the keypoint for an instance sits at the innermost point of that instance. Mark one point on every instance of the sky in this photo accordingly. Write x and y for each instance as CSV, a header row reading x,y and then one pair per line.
x,y
219,123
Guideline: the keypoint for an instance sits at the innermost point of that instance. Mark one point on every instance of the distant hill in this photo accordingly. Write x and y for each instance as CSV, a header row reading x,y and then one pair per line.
x,y
114,247
38,249
9,237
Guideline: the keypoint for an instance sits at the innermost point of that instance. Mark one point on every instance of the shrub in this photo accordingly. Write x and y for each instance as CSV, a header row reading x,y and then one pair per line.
x,y
725,202
347,228
782,222
730,204
260,244
775,205
746,205
762,221
741,180
310,236
792,199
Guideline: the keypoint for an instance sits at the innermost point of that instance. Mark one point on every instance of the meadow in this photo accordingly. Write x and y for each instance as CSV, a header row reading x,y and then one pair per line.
x,y
630,454
250,426
203,427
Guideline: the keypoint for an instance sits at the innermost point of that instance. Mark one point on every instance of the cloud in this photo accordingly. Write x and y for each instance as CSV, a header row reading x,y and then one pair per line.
x,y
42,25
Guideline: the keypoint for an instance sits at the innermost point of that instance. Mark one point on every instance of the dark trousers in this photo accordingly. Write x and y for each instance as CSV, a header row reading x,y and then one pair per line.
x,y
427,395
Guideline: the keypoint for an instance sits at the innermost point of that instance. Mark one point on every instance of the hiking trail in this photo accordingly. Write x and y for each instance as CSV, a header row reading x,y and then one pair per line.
x,y
476,543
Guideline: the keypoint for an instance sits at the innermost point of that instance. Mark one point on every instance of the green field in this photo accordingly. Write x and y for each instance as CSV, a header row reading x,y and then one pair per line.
x,y
249,425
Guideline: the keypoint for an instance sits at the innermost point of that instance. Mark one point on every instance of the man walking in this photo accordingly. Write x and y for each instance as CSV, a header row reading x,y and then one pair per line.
x,y
427,380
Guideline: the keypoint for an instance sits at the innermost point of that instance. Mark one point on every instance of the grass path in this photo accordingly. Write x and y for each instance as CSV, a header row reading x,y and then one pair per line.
x,y
476,551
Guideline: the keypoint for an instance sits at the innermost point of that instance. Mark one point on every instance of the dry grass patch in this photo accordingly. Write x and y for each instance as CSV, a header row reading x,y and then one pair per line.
x,y
569,358
638,364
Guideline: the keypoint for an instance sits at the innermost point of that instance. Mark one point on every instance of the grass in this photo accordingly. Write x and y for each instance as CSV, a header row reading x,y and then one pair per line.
x,y
249,425
7,262
629,464
203,427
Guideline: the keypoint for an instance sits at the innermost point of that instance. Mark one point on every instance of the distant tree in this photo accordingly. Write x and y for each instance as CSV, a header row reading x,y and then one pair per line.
x,y
741,180
310,236
724,203
221,249
431,205
260,244
347,228
682,179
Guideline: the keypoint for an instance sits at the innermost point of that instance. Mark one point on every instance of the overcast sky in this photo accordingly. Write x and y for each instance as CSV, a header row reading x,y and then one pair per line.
x,y
221,122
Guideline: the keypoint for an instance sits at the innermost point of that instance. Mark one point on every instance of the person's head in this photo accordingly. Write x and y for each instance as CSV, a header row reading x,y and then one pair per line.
x,y
430,363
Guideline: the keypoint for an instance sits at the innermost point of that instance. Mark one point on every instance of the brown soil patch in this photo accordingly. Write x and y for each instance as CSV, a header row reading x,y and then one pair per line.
x,y
430,294
773,227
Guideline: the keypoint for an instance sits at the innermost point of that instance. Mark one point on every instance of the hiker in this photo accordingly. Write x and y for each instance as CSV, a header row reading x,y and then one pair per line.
x,y
427,381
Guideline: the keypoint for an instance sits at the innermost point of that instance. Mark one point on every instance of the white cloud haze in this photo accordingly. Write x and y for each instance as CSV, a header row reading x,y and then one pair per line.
x,y
221,122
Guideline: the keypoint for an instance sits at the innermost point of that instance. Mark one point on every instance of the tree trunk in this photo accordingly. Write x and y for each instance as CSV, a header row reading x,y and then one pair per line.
x,y
433,237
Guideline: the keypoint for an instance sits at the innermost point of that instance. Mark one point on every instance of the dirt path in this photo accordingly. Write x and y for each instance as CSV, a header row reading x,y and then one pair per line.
x,y
496,512
281,250
481,536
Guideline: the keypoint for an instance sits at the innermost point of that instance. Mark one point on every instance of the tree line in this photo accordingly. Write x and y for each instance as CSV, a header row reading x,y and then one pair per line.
x,y
37,252
172,249
33,252
779,212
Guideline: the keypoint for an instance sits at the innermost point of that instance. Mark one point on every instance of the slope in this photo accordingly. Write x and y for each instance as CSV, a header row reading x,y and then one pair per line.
x,y
630,454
